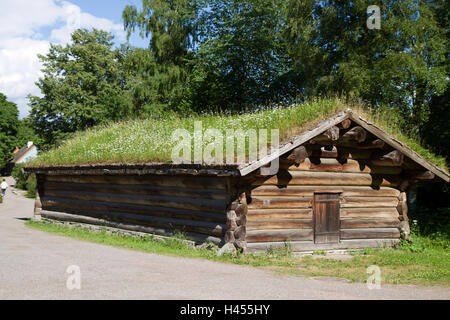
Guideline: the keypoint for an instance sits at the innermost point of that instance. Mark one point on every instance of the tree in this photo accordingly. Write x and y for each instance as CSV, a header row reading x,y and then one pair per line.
x,y
82,87
9,122
241,56
171,26
403,64
25,133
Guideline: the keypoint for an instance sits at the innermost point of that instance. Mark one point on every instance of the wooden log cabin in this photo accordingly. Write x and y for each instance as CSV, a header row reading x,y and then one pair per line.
x,y
342,184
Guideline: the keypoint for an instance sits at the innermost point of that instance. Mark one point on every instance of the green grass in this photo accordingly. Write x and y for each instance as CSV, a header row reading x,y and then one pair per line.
x,y
397,266
424,262
150,140
170,247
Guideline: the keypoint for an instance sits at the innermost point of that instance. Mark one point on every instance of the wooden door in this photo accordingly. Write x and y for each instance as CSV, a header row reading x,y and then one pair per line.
x,y
326,218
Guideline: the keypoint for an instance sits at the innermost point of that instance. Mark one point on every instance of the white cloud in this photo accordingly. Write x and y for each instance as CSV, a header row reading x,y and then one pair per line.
x,y
21,39
75,18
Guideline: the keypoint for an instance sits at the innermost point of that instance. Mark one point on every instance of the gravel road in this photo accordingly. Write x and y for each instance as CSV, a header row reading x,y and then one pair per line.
x,y
33,265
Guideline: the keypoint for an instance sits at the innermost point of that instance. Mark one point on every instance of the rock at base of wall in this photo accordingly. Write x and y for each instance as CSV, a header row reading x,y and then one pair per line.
x,y
228,248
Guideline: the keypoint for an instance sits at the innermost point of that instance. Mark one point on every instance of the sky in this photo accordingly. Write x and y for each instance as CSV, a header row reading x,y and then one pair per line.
x,y
27,27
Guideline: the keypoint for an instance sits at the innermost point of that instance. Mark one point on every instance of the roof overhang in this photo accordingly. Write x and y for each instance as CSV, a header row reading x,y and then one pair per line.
x,y
140,168
324,125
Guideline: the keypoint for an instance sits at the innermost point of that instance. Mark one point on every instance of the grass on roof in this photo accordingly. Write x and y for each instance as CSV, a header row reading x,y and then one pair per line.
x,y
150,140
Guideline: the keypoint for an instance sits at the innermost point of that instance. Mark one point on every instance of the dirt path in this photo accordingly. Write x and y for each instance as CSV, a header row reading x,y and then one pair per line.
x,y
33,265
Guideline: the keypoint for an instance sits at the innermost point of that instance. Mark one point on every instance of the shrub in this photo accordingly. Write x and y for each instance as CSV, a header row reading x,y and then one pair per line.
x,y
20,176
31,186
433,225
1,198
24,180
430,228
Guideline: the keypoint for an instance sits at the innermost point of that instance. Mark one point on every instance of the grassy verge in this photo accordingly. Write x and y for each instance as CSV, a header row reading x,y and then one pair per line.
x,y
424,262
171,247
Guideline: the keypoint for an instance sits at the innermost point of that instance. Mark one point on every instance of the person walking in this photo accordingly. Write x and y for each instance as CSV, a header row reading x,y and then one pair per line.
x,y
4,186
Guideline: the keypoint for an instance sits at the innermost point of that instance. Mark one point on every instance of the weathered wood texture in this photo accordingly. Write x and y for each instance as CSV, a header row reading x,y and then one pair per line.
x,y
338,165
237,223
363,177
394,143
169,232
393,158
265,235
357,134
185,203
311,246
402,209
299,155
329,179
326,217
281,207
370,233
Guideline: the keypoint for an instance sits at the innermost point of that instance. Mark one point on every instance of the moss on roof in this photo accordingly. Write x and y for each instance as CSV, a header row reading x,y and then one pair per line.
x,y
150,140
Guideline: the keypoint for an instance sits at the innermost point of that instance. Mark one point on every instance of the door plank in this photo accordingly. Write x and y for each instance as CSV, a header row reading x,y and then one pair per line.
x,y
326,217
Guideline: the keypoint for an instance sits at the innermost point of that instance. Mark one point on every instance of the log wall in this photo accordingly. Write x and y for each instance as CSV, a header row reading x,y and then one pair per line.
x,y
194,205
281,207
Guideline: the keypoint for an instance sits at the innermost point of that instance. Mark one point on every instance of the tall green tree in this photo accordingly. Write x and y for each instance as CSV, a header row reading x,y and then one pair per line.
x,y
402,64
9,124
171,26
82,86
241,56
25,133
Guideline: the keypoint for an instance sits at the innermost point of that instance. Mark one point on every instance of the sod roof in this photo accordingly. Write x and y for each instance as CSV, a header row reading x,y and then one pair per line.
x,y
149,142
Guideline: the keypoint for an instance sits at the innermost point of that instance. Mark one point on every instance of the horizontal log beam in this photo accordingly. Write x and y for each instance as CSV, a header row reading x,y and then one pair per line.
x,y
279,235
321,152
306,202
61,203
361,213
318,151
218,194
211,228
345,124
347,191
308,246
418,175
263,214
373,144
339,165
354,153
274,223
369,223
330,135
353,202
299,154
160,201
356,134
370,233
393,158
60,216
329,179
405,185
151,180
280,202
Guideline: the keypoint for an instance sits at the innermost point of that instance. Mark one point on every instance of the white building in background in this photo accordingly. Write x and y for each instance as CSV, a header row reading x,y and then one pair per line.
x,y
25,153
